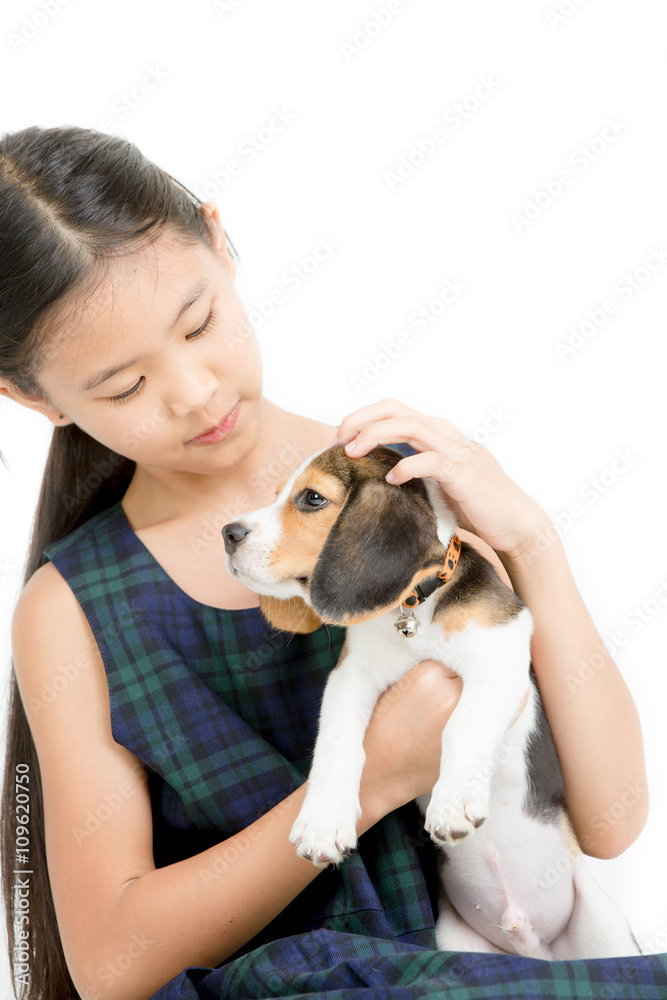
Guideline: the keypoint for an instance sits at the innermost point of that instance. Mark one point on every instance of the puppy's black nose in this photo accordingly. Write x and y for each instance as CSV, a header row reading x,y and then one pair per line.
x,y
233,534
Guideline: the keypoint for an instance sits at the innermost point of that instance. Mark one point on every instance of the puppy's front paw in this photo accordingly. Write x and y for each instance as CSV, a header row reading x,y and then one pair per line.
x,y
452,816
324,835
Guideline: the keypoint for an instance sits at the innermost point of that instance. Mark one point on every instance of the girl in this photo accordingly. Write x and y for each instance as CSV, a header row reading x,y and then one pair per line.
x,y
163,727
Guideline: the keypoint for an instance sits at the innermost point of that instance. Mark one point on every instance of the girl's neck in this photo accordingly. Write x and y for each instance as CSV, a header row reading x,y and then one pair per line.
x,y
281,442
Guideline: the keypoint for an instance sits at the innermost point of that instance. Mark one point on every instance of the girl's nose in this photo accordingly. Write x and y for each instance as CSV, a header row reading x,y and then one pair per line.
x,y
192,391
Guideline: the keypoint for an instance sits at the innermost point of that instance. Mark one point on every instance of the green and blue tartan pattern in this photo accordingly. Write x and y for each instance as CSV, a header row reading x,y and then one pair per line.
x,y
222,709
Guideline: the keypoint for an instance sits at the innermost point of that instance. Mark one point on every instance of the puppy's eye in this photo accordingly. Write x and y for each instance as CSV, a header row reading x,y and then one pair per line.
x,y
312,499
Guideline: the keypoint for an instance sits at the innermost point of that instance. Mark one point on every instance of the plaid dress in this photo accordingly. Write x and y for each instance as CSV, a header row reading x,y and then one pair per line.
x,y
222,709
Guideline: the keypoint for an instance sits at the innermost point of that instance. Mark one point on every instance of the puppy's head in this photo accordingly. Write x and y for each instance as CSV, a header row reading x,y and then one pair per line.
x,y
339,544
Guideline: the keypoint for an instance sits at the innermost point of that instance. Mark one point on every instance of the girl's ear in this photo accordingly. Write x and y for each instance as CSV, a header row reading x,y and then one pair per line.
x,y
291,614
381,539
39,403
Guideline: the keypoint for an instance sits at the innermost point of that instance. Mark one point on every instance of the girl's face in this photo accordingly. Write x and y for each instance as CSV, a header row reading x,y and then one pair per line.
x,y
169,322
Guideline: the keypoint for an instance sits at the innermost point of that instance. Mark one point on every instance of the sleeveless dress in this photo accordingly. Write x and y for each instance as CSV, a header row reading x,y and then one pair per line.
x,y
222,710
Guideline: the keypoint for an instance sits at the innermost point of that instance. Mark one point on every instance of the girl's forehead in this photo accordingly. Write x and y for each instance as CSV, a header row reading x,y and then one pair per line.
x,y
117,307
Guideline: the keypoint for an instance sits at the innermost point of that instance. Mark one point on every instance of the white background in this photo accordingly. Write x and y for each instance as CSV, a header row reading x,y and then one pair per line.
x,y
191,84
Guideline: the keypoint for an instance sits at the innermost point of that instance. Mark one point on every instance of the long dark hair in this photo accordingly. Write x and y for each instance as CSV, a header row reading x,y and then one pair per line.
x,y
71,200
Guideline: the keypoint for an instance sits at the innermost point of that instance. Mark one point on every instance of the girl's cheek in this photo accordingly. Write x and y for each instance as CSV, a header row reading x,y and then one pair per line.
x,y
129,443
142,429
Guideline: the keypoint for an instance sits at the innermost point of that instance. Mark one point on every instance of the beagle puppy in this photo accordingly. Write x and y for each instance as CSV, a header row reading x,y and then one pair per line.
x,y
340,545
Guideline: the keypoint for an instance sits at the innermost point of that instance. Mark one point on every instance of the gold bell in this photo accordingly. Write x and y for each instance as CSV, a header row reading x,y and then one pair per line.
x,y
407,624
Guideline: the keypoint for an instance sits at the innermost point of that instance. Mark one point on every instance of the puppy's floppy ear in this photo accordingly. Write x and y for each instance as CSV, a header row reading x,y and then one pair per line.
x,y
382,537
289,614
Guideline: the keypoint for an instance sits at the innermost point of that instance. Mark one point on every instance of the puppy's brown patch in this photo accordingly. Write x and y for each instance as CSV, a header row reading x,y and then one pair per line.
x,y
290,614
304,531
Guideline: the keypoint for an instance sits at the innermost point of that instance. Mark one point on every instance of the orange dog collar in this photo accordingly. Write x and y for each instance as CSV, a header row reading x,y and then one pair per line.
x,y
426,587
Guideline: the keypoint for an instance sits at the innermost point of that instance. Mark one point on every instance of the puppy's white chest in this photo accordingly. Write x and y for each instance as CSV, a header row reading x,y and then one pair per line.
x,y
500,653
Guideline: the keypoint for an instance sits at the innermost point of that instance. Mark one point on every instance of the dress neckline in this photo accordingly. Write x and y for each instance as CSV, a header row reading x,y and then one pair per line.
x,y
233,612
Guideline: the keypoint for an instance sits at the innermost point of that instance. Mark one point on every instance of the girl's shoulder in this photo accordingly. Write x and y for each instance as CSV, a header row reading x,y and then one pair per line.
x,y
53,646
92,526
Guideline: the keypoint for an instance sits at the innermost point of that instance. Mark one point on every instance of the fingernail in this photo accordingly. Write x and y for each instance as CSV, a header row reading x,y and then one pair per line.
x,y
351,445
389,477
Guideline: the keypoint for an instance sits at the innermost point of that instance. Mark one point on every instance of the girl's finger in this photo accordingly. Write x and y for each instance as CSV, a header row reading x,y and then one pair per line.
x,y
420,433
358,420
355,421
426,465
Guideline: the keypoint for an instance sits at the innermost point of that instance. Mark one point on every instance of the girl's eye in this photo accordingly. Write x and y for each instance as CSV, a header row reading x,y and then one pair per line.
x,y
209,319
129,394
136,388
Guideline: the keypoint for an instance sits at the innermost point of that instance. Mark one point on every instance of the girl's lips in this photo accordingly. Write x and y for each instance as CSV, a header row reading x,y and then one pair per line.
x,y
221,431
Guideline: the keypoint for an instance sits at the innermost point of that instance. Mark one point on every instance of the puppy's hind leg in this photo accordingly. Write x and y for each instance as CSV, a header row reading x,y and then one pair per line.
x,y
452,933
597,928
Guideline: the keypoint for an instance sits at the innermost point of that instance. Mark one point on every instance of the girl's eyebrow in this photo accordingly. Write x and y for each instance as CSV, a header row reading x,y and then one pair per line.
x,y
191,297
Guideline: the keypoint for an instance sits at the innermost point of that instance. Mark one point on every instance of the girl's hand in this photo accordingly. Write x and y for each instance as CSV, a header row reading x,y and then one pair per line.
x,y
403,741
483,498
